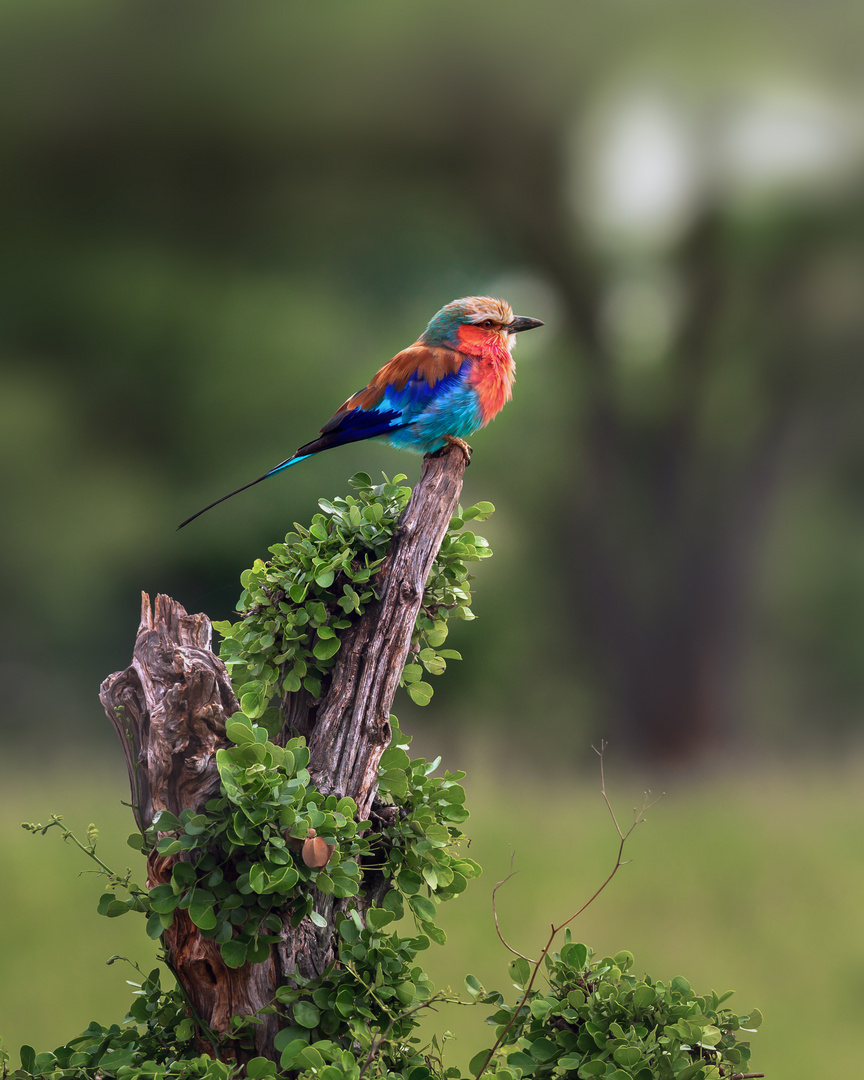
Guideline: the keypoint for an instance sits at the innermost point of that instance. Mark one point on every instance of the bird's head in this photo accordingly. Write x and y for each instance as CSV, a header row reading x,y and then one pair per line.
x,y
476,325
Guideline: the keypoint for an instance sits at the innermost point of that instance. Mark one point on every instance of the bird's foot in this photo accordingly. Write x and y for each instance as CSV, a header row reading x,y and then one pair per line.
x,y
454,440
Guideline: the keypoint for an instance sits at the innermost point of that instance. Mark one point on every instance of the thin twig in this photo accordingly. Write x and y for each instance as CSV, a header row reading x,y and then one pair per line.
x,y
504,881
638,818
376,1043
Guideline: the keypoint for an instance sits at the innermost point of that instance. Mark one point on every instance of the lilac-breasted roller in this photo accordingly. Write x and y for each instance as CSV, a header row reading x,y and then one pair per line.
x,y
454,379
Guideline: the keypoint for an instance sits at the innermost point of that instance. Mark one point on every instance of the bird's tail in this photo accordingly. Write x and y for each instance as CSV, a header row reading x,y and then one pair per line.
x,y
284,465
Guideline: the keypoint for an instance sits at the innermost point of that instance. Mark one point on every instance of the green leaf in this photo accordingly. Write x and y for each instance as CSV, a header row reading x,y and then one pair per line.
x,y
165,821
628,1056
543,1049
233,953
326,648
291,683
306,1014
409,882
520,971
378,918
182,876
253,703
239,729
575,955
259,879
438,834
260,1067
521,1061
541,1007
257,952
435,933
644,996
291,1041
395,782
422,908
154,926
693,1072
437,636
164,899
420,693
203,916
477,1062
115,908
169,845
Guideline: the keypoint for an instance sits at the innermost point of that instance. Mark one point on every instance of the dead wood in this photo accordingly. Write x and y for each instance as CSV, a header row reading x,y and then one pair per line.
x,y
169,708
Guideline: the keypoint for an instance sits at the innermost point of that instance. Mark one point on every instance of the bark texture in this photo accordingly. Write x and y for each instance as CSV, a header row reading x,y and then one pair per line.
x,y
169,708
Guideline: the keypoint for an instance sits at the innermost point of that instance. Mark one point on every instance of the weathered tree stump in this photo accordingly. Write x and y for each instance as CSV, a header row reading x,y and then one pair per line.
x,y
169,709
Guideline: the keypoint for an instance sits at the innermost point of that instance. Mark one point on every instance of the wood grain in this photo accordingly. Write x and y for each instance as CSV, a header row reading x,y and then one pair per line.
x,y
169,708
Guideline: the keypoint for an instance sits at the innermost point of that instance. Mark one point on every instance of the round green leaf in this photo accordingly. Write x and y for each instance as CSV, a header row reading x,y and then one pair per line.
x,y
628,1056
326,648
306,1014
477,1062
203,916
233,953
420,693
422,908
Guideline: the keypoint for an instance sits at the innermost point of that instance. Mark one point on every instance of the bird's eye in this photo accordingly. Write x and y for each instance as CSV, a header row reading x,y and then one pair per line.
x,y
488,323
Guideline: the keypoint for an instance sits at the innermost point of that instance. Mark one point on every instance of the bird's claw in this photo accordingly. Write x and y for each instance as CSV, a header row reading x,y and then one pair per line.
x,y
454,440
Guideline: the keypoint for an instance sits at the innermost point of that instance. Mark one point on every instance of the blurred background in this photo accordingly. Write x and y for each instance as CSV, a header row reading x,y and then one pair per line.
x,y
221,219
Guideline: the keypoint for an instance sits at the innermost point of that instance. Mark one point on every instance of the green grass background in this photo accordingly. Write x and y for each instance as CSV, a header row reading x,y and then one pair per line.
x,y
745,880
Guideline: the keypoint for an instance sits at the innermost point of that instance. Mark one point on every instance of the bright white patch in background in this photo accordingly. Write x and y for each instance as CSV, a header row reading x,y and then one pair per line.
x,y
643,172
645,169
785,139
649,157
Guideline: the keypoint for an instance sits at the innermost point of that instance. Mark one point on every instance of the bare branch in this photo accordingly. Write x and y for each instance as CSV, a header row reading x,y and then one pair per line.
x,y
504,881
555,930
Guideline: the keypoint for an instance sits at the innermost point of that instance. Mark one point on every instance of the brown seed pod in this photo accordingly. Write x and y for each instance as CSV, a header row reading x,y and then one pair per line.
x,y
317,852
294,842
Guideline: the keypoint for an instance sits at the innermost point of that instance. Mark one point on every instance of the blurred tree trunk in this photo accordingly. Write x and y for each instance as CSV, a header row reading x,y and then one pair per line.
x,y
672,493
669,613
170,707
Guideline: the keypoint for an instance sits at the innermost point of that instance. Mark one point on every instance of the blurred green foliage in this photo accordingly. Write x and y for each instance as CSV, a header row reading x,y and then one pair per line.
x,y
223,221
700,897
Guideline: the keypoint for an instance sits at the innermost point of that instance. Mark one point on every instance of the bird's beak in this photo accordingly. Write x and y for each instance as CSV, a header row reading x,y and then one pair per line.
x,y
522,322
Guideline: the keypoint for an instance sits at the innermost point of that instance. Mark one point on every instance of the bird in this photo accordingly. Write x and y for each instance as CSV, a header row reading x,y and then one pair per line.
x,y
454,379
